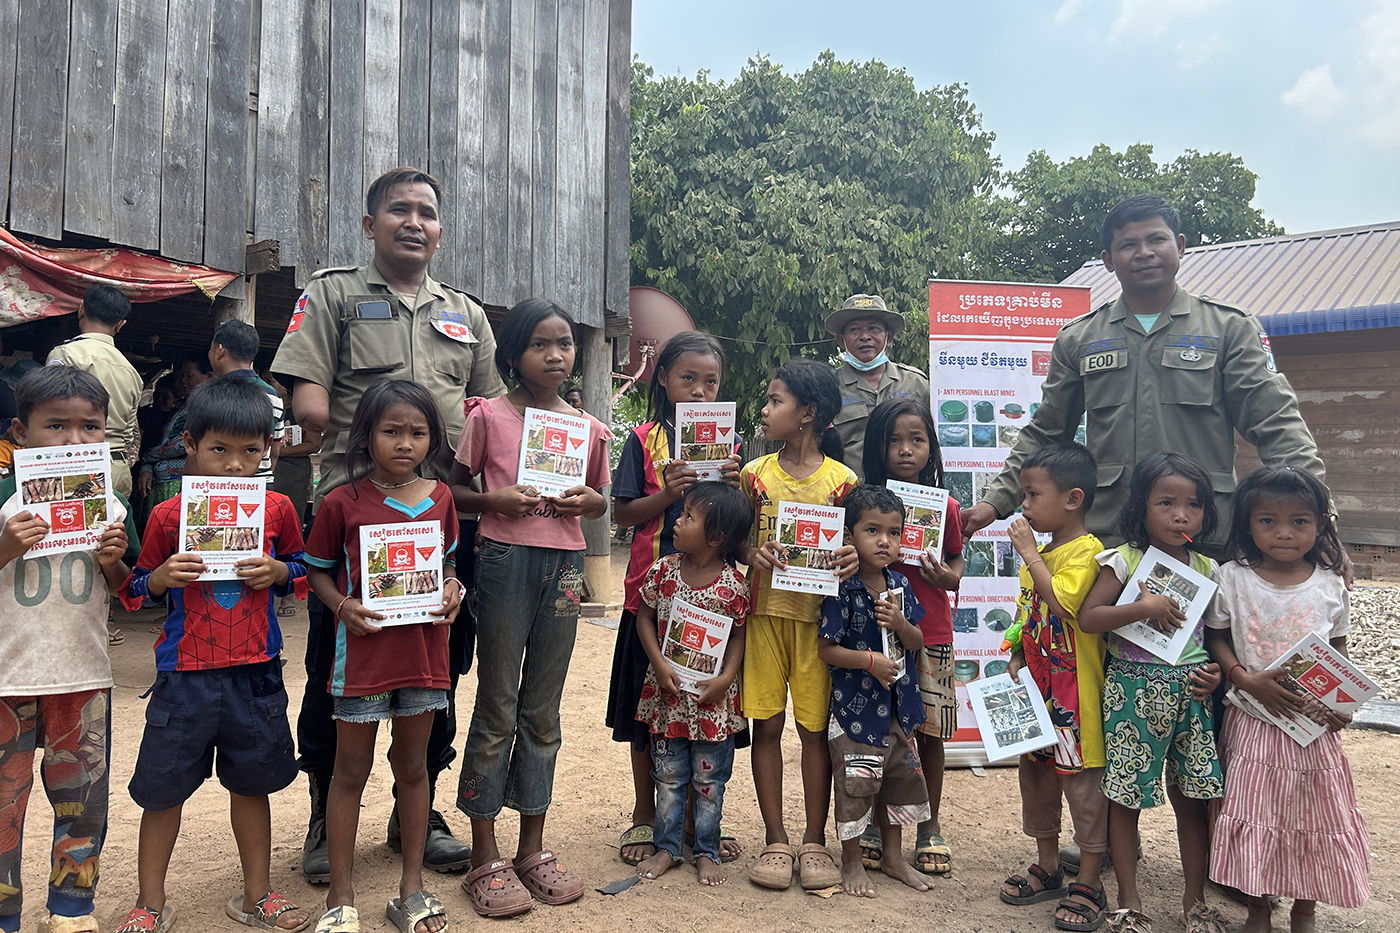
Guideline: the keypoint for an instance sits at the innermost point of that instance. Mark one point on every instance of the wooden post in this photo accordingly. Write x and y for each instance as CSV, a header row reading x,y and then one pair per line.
x,y
597,401
237,301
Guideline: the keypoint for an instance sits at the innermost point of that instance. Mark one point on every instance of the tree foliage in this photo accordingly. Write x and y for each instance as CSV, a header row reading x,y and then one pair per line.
x,y
1052,215
760,204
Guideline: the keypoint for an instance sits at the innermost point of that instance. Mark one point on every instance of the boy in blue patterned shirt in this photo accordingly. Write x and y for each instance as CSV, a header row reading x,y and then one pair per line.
x,y
875,704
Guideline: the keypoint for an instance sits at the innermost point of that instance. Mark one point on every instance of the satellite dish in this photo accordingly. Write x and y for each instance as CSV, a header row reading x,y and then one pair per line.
x,y
656,318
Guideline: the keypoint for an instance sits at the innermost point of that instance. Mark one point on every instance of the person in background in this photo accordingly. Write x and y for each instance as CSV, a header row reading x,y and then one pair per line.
x,y
163,465
101,315
151,419
231,353
291,475
574,397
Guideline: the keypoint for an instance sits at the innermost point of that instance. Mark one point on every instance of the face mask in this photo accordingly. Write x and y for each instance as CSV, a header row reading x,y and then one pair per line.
x,y
880,360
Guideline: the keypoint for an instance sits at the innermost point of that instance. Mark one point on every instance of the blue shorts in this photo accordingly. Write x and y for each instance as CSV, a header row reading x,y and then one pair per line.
x,y
405,701
239,711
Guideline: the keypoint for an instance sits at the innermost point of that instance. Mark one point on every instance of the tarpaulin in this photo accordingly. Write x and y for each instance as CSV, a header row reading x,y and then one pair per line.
x,y
38,281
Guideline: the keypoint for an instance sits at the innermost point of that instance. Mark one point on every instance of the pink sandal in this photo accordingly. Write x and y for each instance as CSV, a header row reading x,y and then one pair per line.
x,y
496,891
547,880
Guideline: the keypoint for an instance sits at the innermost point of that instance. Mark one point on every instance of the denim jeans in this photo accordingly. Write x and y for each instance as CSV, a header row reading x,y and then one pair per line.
x,y
527,617
677,766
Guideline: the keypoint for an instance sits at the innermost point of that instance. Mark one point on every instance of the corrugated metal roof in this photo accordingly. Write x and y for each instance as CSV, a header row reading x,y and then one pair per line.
x,y
1331,280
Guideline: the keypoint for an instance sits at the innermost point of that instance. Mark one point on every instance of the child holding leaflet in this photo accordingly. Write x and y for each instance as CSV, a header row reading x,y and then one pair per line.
x,y
530,575
875,703
692,737
781,646
901,444
218,678
647,490
1058,484
56,680
1170,505
397,672
1279,589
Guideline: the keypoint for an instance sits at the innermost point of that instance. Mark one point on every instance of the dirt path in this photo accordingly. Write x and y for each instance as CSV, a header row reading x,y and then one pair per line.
x,y
981,818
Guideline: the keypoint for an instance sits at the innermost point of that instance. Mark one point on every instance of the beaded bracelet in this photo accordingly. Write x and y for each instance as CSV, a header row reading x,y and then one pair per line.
x,y
341,606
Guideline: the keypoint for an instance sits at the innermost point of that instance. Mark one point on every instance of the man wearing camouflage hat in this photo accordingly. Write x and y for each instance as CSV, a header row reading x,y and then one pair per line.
x,y
863,328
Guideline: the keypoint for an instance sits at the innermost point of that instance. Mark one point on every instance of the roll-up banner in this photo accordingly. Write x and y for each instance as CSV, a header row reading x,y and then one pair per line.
x,y
989,351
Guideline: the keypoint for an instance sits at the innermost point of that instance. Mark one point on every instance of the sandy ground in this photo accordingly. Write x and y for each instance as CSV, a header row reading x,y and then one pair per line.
x,y
981,819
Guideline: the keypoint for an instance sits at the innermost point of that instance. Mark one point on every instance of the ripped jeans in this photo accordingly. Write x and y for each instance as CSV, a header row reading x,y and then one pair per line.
x,y
527,617
678,765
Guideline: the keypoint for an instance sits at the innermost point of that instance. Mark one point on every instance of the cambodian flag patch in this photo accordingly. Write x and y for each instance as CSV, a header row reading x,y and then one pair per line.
x,y
295,323
1268,353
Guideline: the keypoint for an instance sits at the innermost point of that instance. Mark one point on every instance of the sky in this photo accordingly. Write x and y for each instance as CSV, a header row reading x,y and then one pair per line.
x,y
1307,92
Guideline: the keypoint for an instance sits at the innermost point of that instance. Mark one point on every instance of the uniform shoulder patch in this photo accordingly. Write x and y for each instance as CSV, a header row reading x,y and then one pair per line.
x,y
1224,304
322,273
461,291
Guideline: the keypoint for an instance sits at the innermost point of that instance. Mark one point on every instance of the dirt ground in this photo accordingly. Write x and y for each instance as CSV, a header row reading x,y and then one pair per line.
x,y
592,803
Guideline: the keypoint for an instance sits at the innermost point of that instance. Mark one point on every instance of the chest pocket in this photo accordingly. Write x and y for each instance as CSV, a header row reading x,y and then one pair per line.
x,y
377,345
452,358
1187,376
1107,380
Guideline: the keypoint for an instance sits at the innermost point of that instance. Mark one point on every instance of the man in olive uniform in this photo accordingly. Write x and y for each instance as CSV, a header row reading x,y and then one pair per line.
x,y
103,313
351,328
1156,370
863,328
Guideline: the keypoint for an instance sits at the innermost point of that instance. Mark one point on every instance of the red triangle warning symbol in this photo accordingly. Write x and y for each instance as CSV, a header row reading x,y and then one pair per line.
x,y
829,533
576,441
723,432
426,552
712,639
1343,698
248,508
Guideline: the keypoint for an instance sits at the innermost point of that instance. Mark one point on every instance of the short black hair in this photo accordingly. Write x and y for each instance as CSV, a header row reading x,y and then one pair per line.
x,y
571,390
728,513
1138,207
200,358
1275,484
404,174
48,383
519,326
232,404
239,338
1069,466
1131,519
378,399
866,497
106,304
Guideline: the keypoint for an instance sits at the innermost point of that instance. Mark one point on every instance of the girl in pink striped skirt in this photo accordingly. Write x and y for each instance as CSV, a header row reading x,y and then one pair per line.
x,y
1288,824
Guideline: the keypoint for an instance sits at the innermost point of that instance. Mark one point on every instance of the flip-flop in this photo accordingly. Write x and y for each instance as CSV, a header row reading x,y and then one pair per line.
x,y
933,844
56,924
816,867
640,834
144,920
548,881
1203,919
419,906
342,919
774,867
871,841
286,612
496,890
1052,886
264,914
1128,921
115,636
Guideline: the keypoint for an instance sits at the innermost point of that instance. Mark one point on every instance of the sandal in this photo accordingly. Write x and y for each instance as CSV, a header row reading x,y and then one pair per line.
x,y
816,867
496,891
264,915
115,636
1203,919
419,906
547,881
342,919
774,867
871,842
143,920
932,844
56,924
640,834
1127,920
1092,912
286,612
1052,886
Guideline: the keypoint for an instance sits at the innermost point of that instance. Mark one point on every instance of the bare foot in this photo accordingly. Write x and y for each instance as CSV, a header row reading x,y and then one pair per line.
x,y
729,849
900,870
1304,921
854,880
656,866
709,871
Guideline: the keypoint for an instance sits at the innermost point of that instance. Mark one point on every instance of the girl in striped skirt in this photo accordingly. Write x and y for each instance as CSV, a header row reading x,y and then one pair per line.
x,y
1288,824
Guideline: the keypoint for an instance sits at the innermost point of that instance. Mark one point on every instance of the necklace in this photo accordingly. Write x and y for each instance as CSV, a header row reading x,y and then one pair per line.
x,y
392,485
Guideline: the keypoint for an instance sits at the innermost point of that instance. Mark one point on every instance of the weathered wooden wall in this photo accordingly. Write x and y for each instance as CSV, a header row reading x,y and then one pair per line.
x,y
189,127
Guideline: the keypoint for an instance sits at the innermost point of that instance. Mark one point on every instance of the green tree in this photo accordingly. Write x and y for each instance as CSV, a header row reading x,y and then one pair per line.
x,y
761,203
1052,214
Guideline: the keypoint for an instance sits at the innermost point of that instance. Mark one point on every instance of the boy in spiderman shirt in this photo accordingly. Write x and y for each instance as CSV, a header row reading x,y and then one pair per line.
x,y
219,682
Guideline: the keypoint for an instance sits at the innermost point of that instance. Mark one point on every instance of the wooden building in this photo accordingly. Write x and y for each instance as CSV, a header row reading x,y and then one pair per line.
x,y
1330,304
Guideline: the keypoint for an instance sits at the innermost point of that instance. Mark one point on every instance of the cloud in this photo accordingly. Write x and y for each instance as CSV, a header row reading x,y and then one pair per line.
x,y
1379,62
1069,10
1315,94
1196,51
1148,19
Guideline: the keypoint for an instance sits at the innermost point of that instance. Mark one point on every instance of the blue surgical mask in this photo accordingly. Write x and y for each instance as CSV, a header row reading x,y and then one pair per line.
x,y
879,361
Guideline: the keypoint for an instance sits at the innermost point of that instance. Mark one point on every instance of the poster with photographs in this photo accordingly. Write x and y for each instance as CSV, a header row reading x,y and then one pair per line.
x,y
291,435
705,435
1185,587
71,489
1324,678
221,520
925,512
1011,715
891,646
808,533
401,570
554,452
694,643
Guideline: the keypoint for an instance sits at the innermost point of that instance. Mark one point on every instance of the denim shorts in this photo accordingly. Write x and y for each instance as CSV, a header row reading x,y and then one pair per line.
x,y
405,701
237,713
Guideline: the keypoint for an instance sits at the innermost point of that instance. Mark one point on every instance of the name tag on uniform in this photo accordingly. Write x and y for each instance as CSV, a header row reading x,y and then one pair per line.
x,y
452,324
1102,361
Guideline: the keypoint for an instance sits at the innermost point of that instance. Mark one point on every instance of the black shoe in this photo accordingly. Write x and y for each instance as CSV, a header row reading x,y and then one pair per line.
x,y
1069,858
442,851
315,859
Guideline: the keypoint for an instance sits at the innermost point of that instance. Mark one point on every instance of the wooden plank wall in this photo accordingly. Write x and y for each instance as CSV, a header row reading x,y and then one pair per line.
x,y
173,126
